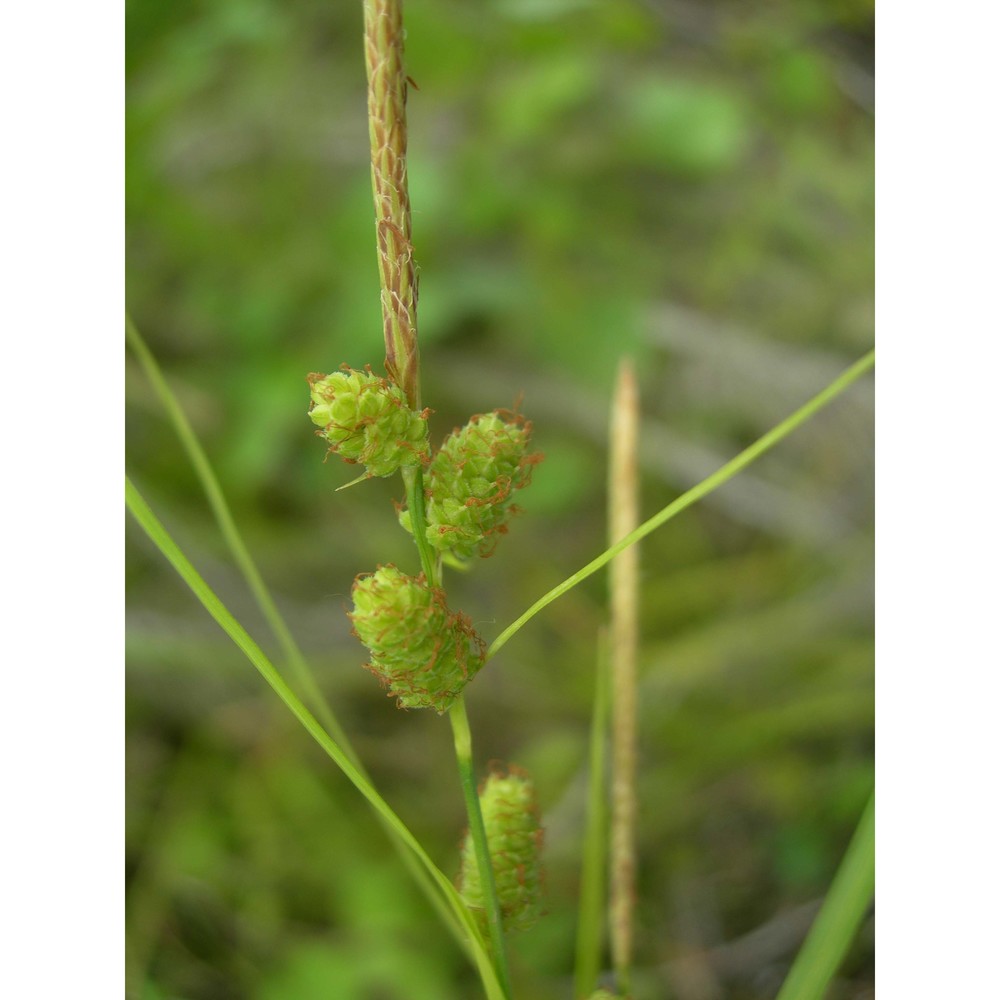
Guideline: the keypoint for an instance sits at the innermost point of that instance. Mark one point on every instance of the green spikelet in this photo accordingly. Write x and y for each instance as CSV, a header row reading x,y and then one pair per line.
x,y
603,995
420,650
514,835
471,481
366,420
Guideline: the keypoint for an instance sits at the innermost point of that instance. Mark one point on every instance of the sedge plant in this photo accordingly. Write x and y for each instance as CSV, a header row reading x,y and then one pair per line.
x,y
424,651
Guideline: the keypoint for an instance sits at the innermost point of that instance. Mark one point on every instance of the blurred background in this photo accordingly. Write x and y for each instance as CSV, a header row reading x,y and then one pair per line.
x,y
689,182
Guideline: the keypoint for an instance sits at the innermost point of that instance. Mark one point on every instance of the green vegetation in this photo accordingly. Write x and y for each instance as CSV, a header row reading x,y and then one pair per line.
x,y
688,184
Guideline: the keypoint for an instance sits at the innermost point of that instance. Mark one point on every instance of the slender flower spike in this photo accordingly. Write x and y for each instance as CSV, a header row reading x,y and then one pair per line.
x,y
514,836
421,651
387,89
366,420
471,481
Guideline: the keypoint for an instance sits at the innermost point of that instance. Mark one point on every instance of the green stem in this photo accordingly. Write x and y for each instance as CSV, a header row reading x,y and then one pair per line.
x,y
839,918
414,480
463,744
462,735
696,493
463,754
237,547
160,537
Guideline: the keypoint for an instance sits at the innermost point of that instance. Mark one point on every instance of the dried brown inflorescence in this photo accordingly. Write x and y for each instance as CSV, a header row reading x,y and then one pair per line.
x,y
387,88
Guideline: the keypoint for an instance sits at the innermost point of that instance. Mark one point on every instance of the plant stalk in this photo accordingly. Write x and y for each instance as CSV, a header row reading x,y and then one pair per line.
x,y
623,517
477,829
414,480
839,917
387,89
462,735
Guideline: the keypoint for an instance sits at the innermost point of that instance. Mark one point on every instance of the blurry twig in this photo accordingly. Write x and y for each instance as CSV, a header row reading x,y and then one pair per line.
x,y
840,916
623,518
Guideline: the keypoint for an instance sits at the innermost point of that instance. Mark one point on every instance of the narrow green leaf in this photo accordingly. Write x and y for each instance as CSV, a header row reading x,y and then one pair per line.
x,y
158,534
241,556
693,495
839,918
234,540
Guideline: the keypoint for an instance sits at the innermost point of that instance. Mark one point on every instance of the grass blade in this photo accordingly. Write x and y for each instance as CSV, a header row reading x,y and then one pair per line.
x,y
244,561
693,495
160,537
234,540
838,920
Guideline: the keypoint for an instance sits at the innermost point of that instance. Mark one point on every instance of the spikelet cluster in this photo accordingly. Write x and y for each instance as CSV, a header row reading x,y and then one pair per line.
x,y
471,482
514,836
366,420
421,651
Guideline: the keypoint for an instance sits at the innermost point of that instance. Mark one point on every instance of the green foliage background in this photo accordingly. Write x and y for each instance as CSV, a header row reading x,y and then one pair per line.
x,y
689,182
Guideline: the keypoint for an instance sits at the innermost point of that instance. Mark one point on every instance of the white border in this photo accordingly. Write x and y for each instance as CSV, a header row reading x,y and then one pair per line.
x,y
61,410
938,495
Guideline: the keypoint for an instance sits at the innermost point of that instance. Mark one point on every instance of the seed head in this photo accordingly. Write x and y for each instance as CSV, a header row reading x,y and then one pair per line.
x,y
366,420
421,651
471,482
514,836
